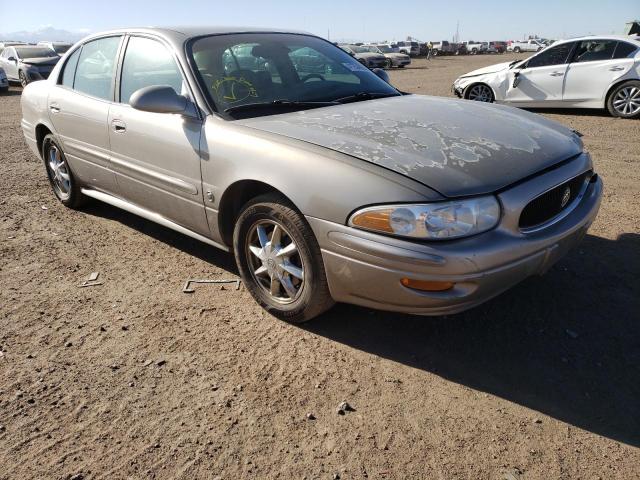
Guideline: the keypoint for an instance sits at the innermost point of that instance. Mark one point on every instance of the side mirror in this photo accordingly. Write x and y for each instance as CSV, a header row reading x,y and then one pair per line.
x,y
382,74
158,99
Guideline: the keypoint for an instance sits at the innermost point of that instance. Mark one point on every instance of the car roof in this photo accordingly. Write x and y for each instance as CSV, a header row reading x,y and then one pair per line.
x,y
179,34
627,38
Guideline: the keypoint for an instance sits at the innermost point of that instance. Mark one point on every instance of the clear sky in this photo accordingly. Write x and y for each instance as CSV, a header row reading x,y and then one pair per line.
x,y
345,20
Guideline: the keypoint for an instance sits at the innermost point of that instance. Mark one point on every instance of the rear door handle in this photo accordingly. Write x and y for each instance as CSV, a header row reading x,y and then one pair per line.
x,y
119,126
54,107
616,69
556,74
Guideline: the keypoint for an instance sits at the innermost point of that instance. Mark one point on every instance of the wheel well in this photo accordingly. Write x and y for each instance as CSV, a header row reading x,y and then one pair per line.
x,y
232,201
41,132
612,88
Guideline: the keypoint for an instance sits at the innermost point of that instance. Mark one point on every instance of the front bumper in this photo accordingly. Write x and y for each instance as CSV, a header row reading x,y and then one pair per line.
x,y
365,268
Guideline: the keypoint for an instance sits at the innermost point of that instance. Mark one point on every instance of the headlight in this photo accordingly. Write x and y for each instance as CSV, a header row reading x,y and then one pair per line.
x,y
432,221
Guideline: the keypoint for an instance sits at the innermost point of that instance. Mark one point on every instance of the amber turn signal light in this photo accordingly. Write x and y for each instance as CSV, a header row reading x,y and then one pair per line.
x,y
427,285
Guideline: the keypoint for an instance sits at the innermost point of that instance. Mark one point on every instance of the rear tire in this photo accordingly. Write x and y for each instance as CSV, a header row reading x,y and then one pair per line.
x,y
63,182
388,63
285,275
624,100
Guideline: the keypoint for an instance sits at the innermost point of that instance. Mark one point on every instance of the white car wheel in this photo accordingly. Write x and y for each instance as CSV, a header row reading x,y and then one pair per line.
x,y
480,93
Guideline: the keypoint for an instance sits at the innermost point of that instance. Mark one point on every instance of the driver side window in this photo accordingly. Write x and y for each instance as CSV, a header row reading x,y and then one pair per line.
x,y
557,55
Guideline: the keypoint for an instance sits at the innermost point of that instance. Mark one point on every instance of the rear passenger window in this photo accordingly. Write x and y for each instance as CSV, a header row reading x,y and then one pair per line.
x,y
594,50
148,63
624,49
70,69
97,67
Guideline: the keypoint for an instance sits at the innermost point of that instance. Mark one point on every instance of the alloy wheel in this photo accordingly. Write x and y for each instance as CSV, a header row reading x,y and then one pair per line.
x,y
480,93
59,172
23,79
274,261
627,101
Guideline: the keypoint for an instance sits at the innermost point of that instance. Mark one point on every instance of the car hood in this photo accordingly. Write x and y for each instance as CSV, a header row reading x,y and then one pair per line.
x,y
490,69
396,55
41,62
456,147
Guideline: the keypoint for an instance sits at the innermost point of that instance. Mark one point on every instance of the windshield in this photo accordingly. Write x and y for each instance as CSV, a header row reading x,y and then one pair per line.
x,y
259,68
358,49
35,52
384,49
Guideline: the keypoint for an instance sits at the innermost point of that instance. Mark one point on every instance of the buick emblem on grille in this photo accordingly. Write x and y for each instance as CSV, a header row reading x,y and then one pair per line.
x,y
566,195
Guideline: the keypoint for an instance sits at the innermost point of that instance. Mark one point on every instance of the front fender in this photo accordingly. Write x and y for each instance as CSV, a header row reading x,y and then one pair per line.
x,y
320,182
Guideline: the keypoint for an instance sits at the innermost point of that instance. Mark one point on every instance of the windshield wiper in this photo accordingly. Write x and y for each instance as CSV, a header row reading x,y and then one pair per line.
x,y
278,104
358,97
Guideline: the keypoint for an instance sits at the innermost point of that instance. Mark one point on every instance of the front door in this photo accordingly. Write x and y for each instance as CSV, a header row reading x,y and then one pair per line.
x,y
79,109
541,78
156,156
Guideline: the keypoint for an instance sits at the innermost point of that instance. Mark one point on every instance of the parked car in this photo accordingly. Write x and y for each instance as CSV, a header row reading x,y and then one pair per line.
x,y
365,57
6,44
4,81
526,46
27,63
497,47
399,60
589,72
475,48
409,48
443,48
59,47
401,202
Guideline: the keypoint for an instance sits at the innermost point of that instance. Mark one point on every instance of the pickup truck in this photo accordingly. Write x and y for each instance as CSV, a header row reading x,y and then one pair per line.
x,y
525,46
409,48
474,48
442,48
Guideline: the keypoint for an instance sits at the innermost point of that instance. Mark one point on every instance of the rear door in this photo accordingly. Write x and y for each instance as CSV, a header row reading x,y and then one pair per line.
x,y
156,156
595,65
79,109
541,79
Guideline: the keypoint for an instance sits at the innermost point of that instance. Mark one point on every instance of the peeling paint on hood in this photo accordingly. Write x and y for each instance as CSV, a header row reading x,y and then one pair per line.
x,y
456,147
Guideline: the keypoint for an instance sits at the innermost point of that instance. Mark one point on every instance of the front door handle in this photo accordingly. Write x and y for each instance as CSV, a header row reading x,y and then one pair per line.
x,y
616,69
556,74
118,126
54,107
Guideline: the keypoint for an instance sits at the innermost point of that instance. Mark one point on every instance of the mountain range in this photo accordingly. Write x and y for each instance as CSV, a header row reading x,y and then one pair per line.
x,y
45,33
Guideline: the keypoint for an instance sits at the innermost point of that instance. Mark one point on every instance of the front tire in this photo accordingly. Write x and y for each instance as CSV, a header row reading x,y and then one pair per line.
x,y
624,100
24,81
516,50
60,176
479,92
279,260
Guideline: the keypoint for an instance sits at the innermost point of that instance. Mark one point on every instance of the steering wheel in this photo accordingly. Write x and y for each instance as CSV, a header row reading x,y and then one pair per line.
x,y
312,75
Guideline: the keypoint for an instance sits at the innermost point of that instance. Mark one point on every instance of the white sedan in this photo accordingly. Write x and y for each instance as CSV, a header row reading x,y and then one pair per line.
x,y
589,72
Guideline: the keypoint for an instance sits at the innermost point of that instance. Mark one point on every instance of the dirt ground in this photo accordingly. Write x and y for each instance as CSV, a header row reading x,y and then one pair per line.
x,y
135,379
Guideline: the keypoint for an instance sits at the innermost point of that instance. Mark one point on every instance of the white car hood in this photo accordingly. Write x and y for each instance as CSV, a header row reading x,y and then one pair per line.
x,y
490,69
